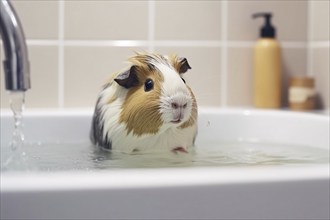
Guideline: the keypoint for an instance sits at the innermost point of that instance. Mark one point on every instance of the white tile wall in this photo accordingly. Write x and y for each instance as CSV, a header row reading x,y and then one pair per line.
x,y
77,44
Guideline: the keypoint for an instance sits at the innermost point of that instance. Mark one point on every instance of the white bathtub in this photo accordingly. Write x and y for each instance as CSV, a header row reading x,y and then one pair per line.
x,y
264,192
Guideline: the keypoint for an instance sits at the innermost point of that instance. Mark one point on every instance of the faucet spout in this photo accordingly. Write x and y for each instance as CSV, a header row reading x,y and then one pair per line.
x,y
16,63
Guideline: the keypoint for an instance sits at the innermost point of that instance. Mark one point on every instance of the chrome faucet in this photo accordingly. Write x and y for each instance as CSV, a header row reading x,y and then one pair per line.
x,y
16,63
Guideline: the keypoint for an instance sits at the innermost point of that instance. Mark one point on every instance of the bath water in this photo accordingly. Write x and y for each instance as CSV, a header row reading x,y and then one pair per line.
x,y
83,156
60,156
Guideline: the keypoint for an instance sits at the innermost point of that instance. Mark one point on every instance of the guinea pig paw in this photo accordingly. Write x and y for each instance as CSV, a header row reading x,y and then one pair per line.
x,y
179,150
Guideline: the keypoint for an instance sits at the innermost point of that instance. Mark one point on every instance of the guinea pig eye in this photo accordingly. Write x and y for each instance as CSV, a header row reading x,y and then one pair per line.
x,y
148,85
183,80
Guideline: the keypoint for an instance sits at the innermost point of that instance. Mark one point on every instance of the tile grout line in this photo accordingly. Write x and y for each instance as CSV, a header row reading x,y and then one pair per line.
x,y
61,55
151,25
224,55
105,43
320,44
309,71
167,43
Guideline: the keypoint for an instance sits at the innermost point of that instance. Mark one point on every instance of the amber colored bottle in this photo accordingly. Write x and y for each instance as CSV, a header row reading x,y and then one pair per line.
x,y
302,93
267,67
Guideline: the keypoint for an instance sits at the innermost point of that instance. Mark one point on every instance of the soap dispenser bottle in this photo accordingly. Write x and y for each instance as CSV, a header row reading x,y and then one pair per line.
x,y
267,66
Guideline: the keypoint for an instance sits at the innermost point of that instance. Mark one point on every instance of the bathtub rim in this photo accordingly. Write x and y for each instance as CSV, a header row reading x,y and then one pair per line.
x,y
5,112
158,178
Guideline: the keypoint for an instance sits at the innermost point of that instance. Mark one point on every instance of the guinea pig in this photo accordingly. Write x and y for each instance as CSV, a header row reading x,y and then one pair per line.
x,y
147,107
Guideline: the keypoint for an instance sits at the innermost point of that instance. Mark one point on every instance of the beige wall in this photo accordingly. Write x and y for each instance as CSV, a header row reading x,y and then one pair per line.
x,y
75,45
319,49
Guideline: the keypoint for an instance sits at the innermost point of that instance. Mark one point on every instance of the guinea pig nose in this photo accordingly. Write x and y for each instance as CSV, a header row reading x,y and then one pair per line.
x,y
176,105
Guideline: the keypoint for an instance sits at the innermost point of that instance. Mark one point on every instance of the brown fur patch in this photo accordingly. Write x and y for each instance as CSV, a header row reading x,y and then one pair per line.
x,y
175,62
140,111
143,59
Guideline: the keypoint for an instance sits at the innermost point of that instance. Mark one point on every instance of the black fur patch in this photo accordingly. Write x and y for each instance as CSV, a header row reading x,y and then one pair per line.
x,y
96,133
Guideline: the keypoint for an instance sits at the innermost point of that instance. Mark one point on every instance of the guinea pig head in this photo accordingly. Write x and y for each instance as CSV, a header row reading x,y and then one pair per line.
x,y
157,95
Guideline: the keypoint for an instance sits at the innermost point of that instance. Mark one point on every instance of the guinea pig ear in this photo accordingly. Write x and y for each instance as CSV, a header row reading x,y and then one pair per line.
x,y
184,65
128,78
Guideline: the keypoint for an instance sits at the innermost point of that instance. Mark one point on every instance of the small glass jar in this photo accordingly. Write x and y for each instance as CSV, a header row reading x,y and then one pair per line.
x,y
302,93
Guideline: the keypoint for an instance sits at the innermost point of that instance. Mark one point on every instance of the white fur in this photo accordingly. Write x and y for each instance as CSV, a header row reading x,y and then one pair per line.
x,y
174,90
169,136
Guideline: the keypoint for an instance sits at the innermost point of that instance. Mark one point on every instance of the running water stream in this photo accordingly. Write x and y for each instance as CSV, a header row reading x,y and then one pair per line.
x,y
18,159
17,100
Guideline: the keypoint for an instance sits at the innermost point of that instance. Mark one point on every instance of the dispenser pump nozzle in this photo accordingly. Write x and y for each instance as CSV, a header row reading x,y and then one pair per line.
x,y
267,30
